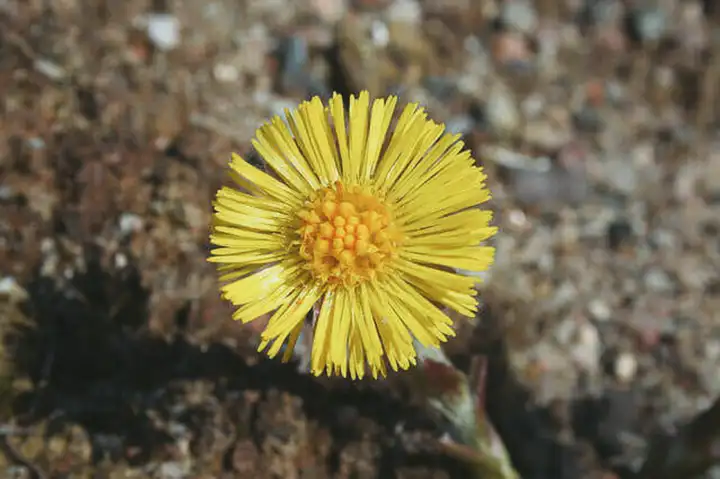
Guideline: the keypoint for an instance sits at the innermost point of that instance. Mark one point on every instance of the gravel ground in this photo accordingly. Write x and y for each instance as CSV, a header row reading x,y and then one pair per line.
x,y
597,121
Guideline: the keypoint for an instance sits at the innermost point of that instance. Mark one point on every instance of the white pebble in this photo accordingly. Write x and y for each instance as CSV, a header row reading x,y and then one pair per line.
x,y
599,310
163,29
9,287
225,73
380,34
120,261
626,367
130,223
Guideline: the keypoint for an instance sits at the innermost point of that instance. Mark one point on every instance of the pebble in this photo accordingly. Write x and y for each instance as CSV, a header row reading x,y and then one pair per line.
x,y
121,261
459,124
130,223
380,34
600,12
10,288
330,11
50,69
532,106
588,119
516,161
36,143
6,193
619,232
621,176
442,88
163,29
658,281
625,367
511,49
545,135
519,15
599,310
173,470
647,24
501,110
408,11
294,57
588,347
226,73
551,187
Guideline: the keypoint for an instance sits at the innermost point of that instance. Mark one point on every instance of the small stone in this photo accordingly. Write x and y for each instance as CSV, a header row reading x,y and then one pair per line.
x,y
587,348
647,24
294,57
225,73
36,143
532,106
163,29
380,34
511,48
621,176
545,135
601,12
173,470
10,288
130,223
441,87
519,15
588,119
330,11
121,261
408,11
459,124
625,367
599,310
49,69
658,281
501,110
619,232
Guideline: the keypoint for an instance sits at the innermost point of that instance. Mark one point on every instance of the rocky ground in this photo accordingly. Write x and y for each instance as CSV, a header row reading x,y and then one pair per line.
x,y
596,119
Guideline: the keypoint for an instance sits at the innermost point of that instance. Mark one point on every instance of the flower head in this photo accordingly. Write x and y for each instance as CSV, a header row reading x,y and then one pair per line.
x,y
370,226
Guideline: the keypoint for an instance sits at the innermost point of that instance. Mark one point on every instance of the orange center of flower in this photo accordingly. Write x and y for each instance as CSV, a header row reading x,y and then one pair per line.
x,y
347,235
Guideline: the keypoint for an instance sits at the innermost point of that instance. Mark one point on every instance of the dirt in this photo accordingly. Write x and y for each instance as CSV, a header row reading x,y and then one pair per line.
x,y
121,360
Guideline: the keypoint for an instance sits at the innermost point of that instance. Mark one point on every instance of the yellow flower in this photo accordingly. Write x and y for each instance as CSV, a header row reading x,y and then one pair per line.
x,y
370,227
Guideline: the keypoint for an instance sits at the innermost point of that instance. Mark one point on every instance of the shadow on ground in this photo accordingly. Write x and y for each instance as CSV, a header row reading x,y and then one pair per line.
x,y
92,362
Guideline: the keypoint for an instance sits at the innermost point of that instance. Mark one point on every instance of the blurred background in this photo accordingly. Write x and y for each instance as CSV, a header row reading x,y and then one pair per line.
x,y
597,121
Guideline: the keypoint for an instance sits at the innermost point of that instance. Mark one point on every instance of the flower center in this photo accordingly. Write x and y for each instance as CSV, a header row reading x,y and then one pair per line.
x,y
347,235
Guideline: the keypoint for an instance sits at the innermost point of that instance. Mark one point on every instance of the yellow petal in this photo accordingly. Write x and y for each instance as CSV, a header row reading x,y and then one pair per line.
x,y
282,136
267,183
342,321
275,157
295,312
265,304
322,335
472,258
380,117
323,138
292,341
358,131
304,132
262,202
443,279
337,111
391,308
262,283
442,155
288,319
242,257
411,148
426,313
